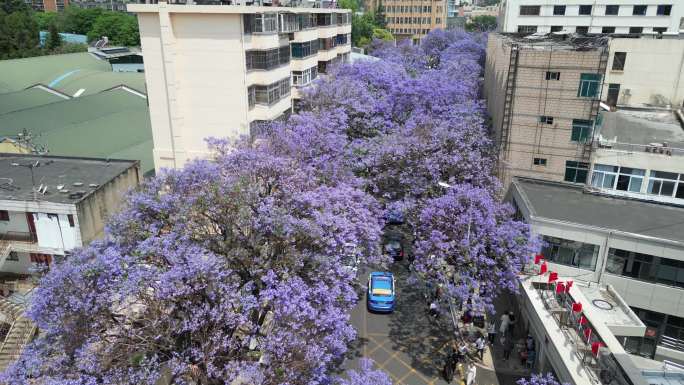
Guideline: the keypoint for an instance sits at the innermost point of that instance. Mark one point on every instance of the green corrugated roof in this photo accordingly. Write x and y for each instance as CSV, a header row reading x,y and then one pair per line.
x,y
19,100
111,124
67,73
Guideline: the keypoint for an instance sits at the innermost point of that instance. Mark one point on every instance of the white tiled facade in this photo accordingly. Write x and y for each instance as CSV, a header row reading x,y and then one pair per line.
x,y
598,16
217,70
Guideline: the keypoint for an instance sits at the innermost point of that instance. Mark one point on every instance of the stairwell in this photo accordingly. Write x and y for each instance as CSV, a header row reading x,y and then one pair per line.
x,y
20,333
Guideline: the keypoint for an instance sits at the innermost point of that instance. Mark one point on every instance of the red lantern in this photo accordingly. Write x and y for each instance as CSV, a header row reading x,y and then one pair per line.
x,y
560,288
577,307
568,285
543,268
538,258
553,276
595,348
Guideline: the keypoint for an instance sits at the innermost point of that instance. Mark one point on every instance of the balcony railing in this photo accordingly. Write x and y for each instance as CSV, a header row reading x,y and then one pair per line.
x,y
655,148
18,236
672,343
599,362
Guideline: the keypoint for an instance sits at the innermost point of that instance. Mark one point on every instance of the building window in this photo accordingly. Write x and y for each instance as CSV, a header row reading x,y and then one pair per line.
x,y
585,9
438,20
546,119
570,253
576,172
630,179
659,29
559,10
326,44
306,49
589,85
612,10
539,161
608,30
550,75
619,59
251,97
639,10
664,183
267,59
529,10
581,130
261,23
288,22
323,19
664,10
70,218
13,256
645,267
302,78
527,29
556,28
604,176
636,29
270,94
307,20
4,215
645,346
582,30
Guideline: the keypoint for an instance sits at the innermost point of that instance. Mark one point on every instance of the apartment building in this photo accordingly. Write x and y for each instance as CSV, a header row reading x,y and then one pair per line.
x,y
48,5
598,16
543,95
219,70
50,205
414,19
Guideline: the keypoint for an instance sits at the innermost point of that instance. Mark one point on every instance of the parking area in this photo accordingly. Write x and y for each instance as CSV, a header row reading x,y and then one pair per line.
x,y
406,344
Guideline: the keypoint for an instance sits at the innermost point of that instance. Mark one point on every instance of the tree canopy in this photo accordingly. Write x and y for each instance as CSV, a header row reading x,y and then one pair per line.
x,y
232,270
482,23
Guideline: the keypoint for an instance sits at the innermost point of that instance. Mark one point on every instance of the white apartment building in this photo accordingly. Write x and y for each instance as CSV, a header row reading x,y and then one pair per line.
x,y
50,205
596,16
217,70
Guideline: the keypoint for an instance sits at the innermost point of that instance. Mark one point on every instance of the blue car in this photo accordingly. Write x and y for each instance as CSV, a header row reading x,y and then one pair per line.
x,y
380,296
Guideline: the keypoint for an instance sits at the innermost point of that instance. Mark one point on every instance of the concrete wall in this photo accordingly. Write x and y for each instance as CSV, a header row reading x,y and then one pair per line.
x,y
652,72
17,223
511,18
96,208
438,11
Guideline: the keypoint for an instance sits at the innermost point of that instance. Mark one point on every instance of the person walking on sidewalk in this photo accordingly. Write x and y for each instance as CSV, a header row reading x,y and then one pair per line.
x,y
491,333
507,347
505,321
470,375
480,345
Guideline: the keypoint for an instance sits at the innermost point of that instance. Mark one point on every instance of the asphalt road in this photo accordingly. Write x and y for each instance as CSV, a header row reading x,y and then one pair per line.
x,y
406,344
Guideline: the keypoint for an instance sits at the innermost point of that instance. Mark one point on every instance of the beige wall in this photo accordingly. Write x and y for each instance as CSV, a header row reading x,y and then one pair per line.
x,y
437,16
95,209
652,73
533,97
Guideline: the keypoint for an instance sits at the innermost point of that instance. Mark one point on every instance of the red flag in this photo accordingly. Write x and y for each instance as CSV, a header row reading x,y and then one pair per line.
x,y
568,285
587,333
553,276
583,320
577,307
560,287
543,268
538,258
595,348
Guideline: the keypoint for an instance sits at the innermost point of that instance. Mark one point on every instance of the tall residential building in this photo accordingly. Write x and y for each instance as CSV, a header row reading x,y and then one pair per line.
x,y
543,96
598,16
219,70
48,5
416,18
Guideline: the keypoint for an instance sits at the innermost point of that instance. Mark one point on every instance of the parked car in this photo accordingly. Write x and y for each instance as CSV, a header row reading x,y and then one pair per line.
x,y
394,249
381,294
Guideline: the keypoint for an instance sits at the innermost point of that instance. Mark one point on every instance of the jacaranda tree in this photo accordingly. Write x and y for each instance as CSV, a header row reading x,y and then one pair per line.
x,y
232,270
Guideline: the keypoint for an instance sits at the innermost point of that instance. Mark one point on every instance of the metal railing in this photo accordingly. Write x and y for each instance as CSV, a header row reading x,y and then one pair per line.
x,y
645,148
672,343
18,236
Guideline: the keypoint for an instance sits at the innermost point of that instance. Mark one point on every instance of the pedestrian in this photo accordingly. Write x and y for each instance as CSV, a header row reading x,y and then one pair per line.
x,y
449,369
505,321
491,333
480,345
511,323
470,376
462,351
507,347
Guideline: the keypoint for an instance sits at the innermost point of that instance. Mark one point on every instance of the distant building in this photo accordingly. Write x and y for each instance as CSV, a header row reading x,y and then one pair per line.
x,y
111,5
218,71
48,5
70,38
416,19
599,16
543,95
122,59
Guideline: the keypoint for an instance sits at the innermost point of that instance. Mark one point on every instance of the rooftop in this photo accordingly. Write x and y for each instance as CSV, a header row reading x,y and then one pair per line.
x,y
78,177
112,124
641,126
592,210
238,9
556,41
